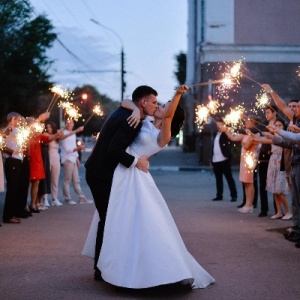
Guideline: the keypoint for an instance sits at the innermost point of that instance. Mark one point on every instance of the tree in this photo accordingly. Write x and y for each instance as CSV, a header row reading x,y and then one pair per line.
x,y
180,74
23,61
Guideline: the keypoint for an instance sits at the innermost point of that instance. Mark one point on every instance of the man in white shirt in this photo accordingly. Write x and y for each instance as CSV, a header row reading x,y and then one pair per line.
x,y
70,162
221,163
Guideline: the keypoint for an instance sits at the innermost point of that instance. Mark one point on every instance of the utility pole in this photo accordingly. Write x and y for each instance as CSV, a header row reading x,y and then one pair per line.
x,y
123,83
122,71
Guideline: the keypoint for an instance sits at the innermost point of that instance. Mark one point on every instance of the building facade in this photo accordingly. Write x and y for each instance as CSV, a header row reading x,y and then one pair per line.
x,y
264,34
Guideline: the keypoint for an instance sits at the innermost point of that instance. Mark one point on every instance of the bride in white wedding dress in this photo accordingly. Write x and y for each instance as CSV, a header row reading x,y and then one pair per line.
x,y
142,246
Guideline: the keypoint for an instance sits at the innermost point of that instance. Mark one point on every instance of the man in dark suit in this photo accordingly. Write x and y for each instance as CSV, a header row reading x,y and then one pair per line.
x,y
221,163
110,150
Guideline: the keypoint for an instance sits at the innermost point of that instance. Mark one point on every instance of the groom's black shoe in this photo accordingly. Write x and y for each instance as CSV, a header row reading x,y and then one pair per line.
x,y
217,199
97,275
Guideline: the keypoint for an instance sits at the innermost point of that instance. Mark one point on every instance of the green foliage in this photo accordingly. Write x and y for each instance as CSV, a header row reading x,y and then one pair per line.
x,y
181,68
23,62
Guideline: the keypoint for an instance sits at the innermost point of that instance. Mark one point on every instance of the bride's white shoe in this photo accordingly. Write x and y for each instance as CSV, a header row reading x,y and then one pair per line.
x,y
246,210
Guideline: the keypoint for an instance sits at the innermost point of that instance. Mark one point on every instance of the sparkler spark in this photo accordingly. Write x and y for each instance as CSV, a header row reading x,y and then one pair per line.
x,y
23,135
262,100
235,70
97,110
37,127
250,159
71,110
62,93
234,118
202,113
2,142
59,92
213,106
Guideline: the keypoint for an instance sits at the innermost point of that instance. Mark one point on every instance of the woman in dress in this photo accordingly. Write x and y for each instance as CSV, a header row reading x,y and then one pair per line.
x,y
54,157
142,246
276,180
249,151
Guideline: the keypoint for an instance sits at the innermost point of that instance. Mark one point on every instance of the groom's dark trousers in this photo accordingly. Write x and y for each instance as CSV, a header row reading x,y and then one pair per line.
x,y
110,150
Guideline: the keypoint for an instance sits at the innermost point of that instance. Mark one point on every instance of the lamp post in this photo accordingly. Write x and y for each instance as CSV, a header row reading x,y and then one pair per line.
x,y
122,69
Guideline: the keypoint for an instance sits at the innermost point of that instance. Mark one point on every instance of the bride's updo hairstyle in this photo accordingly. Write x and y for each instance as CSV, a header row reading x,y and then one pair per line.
x,y
142,91
177,121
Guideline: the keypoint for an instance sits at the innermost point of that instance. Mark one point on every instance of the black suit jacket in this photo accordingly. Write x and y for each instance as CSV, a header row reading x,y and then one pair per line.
x,y
110,149
225,145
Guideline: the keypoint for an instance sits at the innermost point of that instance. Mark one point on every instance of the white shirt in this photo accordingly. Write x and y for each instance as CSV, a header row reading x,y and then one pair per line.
x,y
218,155
11,142
67,147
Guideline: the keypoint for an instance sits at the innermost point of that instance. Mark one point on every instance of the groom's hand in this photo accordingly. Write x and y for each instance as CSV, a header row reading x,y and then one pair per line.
x,y
143,164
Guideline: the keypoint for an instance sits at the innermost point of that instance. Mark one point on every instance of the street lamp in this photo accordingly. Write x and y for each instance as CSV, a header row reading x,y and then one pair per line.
x,y
123,83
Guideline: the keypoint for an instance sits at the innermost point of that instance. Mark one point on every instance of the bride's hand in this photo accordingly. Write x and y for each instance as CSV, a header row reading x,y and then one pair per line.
x,y
143,164
135,118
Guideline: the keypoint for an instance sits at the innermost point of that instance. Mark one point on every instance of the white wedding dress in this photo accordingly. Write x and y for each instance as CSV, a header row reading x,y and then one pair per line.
x,y
142,246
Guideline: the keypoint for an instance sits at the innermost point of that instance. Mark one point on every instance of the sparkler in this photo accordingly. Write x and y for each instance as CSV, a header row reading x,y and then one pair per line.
x,y
2,142
213,106
37,127
250,159
71,110
59,92
202,113
262,100
23,136
96,111
234,118
231,78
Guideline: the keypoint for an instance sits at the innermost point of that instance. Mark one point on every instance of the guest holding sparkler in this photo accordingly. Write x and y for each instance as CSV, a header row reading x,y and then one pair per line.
x,y
276,182
249,155
36,165
294,117
221,163
12,168
70,161
263,162
8,151
54,157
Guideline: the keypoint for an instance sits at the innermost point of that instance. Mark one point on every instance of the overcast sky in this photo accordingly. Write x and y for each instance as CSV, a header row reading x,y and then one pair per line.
x,y
152,32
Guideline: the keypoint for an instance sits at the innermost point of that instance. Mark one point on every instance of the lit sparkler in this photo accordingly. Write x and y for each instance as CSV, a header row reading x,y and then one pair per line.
x,y
250,159
23,135
234,118
213,106
262,100
2,142
235,70
37,127
58,92
202,113
71,110
97,110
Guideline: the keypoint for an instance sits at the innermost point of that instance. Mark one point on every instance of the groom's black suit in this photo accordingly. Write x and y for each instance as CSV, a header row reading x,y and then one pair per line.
x,y
110,150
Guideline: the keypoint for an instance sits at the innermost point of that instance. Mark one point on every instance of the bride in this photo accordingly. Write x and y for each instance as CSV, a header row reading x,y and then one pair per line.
x,y
142,246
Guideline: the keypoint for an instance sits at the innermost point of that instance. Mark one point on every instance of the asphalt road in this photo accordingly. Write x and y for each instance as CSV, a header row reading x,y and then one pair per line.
x,y
248,256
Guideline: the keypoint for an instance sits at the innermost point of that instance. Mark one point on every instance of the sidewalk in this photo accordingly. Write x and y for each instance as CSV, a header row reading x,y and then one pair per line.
x,y
172,158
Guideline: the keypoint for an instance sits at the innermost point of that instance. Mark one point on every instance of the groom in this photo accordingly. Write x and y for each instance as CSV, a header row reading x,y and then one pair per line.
x,y
110,150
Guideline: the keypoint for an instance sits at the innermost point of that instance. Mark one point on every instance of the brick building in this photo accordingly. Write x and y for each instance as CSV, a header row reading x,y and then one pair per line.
x,y
265,34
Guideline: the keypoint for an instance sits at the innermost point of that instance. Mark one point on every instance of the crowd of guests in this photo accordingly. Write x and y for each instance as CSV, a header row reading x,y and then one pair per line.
x,y
269,162
32,170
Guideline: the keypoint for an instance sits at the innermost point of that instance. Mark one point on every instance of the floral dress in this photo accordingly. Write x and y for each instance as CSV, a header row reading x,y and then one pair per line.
x,y
276,179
